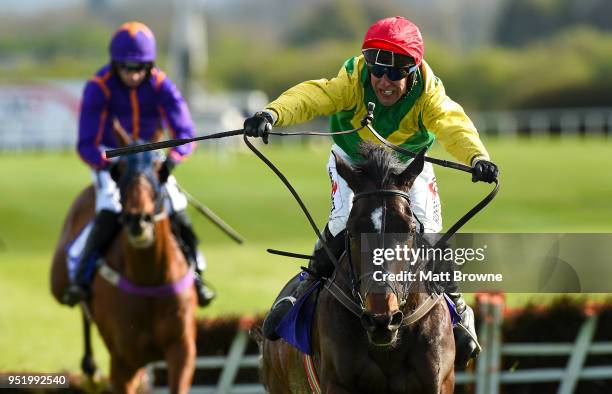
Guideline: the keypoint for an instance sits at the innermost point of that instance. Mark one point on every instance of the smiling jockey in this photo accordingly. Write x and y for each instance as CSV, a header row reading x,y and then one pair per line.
x,y
132,91
412,110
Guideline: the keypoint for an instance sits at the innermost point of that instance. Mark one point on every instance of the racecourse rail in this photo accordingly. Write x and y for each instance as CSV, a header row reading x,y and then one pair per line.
x,y
488,377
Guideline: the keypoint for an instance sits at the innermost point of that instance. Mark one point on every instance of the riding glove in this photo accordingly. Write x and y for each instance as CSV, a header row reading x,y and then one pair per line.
x,y
484,171
259,125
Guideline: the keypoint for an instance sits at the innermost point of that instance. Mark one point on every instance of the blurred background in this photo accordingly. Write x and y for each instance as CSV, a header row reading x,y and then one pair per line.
x,y
534,75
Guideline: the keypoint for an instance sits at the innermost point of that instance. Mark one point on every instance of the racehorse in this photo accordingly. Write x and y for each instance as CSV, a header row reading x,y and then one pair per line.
x,y
143,299
402,340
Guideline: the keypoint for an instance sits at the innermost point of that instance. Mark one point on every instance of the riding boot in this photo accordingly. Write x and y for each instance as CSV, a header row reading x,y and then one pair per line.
x,y
466,341
319,266
105,227
188,241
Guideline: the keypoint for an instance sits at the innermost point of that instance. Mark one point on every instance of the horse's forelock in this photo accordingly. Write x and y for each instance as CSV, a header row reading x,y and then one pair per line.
x,y
140,164
378,165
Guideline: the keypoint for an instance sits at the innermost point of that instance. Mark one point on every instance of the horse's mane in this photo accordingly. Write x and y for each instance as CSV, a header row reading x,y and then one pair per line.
x,y
378,165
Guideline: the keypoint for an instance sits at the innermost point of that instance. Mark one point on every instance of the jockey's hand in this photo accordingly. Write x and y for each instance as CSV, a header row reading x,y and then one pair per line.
x,y
113,170
259,125
166,169
485,171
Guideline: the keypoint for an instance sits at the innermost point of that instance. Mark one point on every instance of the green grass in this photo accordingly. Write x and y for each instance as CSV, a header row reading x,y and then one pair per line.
x,y
547,186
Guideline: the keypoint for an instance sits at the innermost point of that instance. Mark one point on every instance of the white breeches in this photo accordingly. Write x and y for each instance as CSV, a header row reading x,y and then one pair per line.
x,y
424,197
108,196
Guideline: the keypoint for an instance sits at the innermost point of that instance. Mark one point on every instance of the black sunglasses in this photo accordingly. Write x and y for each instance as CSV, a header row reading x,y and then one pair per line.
x,y
134,66
393,73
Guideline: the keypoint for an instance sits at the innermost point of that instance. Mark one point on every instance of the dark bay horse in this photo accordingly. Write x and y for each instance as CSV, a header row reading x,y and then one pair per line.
x,y
143,298
402,341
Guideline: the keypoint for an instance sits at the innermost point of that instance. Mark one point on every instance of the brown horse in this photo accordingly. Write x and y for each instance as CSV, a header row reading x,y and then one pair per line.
x,y
388,339
143,300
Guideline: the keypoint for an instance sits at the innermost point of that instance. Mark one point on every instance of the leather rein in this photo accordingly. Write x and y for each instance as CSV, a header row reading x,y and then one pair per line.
x,y
354,302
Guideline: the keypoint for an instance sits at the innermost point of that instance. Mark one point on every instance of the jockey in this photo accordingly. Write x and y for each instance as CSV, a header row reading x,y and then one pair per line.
x,y
131,90
412,110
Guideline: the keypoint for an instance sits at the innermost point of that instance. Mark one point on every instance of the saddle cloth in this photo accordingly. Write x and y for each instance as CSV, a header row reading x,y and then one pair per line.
x,y
296,326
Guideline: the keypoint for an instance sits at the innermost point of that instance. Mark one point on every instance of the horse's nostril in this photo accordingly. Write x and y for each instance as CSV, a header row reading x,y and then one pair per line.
x,y
136,230
372,322
368,322
396,319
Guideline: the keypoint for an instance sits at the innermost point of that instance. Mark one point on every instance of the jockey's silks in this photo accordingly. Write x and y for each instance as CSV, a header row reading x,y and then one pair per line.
x,y
141,111
424,114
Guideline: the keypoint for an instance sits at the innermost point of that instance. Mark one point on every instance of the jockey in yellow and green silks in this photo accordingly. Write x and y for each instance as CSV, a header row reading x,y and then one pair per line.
x,y
412,110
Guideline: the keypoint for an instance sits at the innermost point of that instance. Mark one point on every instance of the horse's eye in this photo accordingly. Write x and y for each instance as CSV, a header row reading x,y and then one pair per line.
x,y
148,218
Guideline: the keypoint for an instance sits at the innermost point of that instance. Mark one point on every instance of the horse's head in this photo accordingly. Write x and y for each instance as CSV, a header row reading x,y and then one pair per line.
x,y
137,176
381,208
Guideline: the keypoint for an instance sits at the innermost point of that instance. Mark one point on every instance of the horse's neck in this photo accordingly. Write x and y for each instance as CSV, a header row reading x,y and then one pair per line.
x,y
162,262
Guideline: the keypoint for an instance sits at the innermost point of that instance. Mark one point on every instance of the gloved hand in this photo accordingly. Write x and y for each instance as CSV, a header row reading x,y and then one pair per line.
x,y
114,170
485,171
166,169
258,125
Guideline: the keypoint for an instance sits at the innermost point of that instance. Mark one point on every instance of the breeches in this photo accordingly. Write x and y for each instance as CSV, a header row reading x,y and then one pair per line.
x,y
109,198
424,197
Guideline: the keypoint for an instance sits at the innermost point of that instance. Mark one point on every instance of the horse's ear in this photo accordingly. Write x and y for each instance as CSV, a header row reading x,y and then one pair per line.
x,y
158,135
347,173
413,170
122,135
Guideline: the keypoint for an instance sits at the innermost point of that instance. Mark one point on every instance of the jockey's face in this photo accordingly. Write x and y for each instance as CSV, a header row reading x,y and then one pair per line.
x,y
132,78
388,91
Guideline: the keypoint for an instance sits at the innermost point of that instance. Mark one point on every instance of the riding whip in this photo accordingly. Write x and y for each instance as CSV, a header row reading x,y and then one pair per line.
x,y
213,217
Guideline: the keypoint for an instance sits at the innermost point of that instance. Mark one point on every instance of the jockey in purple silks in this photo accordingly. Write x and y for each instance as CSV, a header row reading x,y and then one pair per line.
x,y
412,111
132,91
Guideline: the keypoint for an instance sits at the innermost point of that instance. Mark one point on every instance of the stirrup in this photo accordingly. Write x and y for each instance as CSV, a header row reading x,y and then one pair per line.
x,y
204,293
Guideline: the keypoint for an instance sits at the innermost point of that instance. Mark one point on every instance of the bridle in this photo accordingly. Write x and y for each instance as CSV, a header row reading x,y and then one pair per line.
x,y
402,296
144,168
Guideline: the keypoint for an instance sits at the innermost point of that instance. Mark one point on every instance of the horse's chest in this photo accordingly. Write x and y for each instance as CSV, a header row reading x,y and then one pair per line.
x,y
384,374
389,376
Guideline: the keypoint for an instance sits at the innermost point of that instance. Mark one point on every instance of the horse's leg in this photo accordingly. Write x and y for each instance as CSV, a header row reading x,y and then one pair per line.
x,y
124,378
448,385
282,369
180,359
88,364
433,359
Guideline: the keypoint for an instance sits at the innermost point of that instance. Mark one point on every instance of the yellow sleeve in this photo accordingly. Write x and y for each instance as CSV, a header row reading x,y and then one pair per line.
x,y
447,120
321,97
